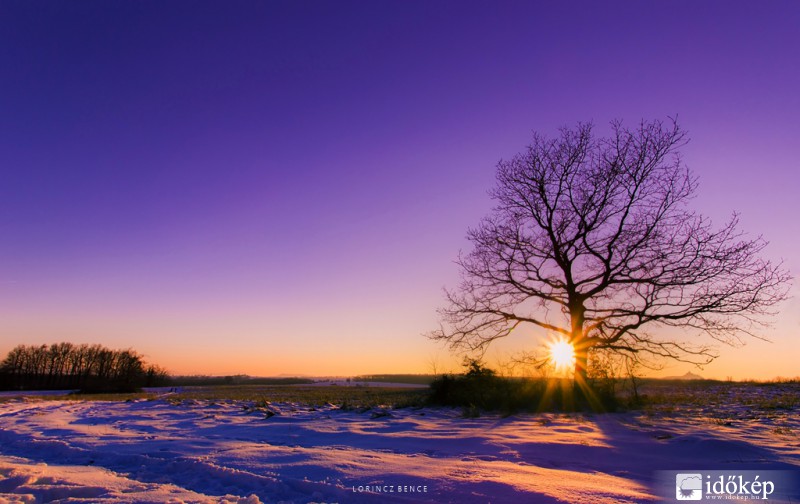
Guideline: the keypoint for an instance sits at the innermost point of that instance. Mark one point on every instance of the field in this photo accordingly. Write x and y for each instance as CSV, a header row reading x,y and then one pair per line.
x,y
379,444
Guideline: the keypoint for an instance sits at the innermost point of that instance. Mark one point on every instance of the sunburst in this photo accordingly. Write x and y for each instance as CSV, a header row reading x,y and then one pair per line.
x,y
562,355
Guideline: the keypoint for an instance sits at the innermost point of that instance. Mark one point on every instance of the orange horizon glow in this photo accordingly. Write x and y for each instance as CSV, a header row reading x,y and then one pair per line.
x,y
348,354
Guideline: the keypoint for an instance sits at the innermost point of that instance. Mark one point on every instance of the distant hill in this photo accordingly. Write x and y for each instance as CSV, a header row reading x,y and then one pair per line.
x,y
687,376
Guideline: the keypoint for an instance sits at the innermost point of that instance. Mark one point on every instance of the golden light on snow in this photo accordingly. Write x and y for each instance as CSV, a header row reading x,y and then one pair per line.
x,y
562,355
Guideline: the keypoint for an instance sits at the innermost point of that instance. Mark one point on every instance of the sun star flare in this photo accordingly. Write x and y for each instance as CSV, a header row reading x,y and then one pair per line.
x,y
562,355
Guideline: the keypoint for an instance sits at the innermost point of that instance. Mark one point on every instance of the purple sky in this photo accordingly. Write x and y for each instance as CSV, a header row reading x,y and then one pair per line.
x,y
281,187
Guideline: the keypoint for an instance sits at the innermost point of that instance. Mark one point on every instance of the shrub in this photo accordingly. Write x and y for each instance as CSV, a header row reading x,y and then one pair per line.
x,y
480,388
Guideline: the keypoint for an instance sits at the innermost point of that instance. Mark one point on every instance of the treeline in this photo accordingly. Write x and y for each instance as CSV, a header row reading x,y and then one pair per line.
x,y
206,381
410,379
89,368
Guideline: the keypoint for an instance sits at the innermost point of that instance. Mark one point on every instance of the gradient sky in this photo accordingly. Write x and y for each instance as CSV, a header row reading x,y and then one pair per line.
x,y
281,187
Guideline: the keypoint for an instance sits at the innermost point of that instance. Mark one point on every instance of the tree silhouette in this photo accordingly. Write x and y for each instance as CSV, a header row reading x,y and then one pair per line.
x,y
87,367
591,239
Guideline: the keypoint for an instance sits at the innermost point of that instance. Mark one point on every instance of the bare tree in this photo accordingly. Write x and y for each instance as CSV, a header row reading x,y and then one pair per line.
x,y
591,239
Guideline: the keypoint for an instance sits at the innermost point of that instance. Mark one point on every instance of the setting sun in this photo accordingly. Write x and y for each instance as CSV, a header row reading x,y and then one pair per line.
x,y
562,355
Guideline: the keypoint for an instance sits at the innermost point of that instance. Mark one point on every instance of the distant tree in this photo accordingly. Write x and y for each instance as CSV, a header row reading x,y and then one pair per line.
x,y
155,376
591,239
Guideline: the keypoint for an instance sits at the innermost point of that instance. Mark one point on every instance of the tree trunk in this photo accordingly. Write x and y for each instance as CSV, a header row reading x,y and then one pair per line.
x,y
578,341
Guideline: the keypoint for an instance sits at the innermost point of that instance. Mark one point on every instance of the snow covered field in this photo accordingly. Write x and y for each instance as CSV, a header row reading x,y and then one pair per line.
x,y
237,452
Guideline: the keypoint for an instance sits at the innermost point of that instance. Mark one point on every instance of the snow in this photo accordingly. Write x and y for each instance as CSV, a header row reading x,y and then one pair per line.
x,y
238,452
